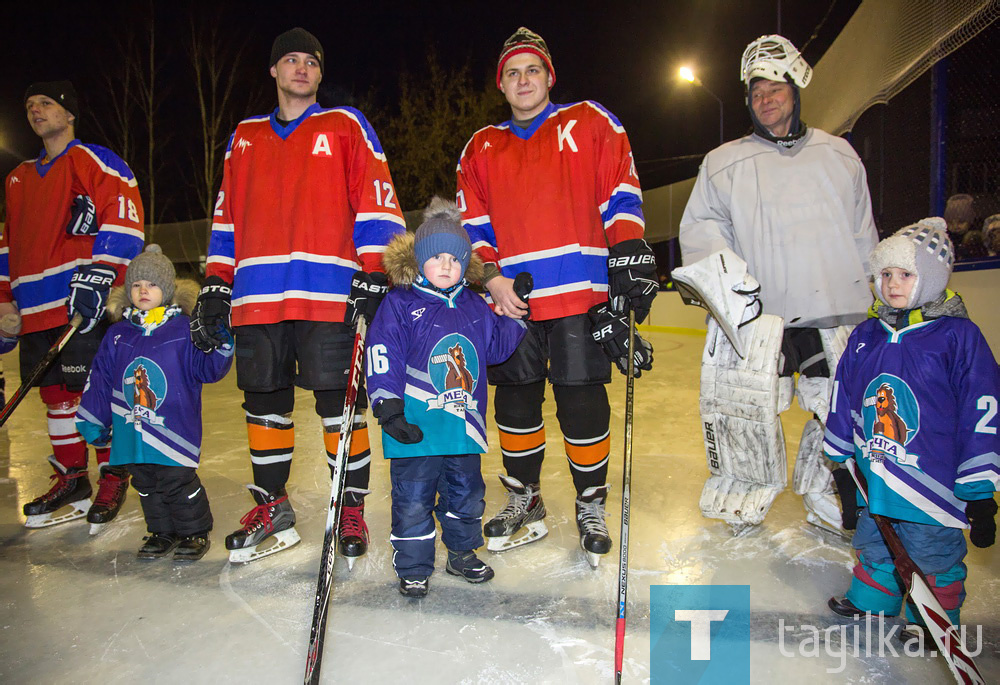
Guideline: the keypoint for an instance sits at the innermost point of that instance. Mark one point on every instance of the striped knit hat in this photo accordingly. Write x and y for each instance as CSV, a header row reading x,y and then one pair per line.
x,y
525,40
924,249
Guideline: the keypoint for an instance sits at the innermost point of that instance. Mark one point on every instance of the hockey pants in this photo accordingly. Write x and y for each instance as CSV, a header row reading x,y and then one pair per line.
x,y
173,499
938,551
456,482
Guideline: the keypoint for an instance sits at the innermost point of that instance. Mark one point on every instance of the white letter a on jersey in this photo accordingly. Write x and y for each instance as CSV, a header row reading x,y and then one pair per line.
x,y
565,136
322,146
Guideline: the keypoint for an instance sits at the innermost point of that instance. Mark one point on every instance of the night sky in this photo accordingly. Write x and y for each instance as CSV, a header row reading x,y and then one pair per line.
x,y
622,54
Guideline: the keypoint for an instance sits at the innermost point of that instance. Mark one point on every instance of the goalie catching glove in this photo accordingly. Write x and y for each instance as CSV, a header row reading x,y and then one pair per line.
x,y
210,321
390,416
88,294
367,291
632,275
610,331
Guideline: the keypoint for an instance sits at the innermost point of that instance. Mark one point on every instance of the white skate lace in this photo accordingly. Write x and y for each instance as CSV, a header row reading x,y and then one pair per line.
x,y
517,504
591,518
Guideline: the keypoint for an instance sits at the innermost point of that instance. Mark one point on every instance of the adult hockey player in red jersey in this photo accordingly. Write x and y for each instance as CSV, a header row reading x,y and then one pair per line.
x,y
548,192
74,220
306,202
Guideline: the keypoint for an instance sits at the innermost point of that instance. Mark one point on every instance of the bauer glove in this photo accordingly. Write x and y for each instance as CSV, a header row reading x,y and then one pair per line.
x,y
210,321
981,513
632,275
367,291
390,416
82,217
88,294
610,331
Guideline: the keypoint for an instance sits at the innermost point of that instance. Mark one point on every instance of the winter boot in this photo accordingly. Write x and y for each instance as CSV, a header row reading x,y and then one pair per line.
x,y
157,545
413,587
469,566
192,547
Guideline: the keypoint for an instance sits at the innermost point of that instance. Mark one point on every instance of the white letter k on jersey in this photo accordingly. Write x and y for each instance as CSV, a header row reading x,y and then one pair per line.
x,y
565,136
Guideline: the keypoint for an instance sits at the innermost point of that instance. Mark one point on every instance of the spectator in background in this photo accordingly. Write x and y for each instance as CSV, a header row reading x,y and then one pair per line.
x,y
960,214
991,235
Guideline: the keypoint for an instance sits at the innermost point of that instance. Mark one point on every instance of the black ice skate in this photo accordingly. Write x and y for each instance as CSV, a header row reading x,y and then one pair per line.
x,y
524,509
594,538
468,566
112,485
273,516
413,587
71,488
192,547
353,532
157,545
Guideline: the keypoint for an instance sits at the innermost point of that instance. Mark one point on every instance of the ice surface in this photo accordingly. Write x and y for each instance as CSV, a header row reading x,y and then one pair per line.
x,y
82,608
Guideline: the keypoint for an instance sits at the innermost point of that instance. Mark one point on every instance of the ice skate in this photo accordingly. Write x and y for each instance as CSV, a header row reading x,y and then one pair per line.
x,y
353,532
71,488
413,587
468,566
272,517
192,548
112,486
524,510
594,537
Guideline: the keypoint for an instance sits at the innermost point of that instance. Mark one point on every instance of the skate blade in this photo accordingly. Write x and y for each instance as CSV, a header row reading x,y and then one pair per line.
x,y
96,528
825,525
594,559
534,531
350,562
282,540
77,510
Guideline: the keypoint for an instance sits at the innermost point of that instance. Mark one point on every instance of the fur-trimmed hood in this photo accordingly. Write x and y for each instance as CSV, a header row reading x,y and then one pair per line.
x,y
400,262
185,295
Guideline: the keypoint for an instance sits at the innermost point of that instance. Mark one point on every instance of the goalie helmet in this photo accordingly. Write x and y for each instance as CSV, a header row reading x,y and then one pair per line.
x,y
774,58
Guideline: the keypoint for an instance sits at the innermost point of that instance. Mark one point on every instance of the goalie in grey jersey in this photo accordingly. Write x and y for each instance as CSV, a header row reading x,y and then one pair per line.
x,y
775,240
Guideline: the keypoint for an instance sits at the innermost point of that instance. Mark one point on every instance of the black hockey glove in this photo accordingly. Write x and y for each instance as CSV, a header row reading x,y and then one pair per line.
x,y
981,514
632,275
210,321
847,490
524,283
367,291
88,294
82,217
610,331
390,416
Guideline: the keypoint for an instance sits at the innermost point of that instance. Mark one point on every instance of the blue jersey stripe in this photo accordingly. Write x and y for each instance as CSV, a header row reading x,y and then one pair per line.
x,y
117,244
49,289
296,274
551,272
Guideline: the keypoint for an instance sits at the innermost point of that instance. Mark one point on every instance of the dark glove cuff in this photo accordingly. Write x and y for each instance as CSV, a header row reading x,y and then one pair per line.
x,y
981,509
386,410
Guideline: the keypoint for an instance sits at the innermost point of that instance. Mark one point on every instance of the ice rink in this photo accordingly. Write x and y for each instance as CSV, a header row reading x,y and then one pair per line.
x,y
77,608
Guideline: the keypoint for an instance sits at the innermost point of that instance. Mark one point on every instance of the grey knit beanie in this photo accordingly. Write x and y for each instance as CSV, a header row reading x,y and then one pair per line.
x,y
924,249
153,266
442,233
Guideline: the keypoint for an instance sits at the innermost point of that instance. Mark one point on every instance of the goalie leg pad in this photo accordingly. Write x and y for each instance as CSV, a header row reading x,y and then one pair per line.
x,y
743,437
813,480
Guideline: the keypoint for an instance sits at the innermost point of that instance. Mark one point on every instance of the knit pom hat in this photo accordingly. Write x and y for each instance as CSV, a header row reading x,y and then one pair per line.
x,y
923,249
296,40
525,40
153,266
62,92
442,233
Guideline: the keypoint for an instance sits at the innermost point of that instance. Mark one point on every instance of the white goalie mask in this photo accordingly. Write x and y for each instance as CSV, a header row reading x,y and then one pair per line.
x,y
774,58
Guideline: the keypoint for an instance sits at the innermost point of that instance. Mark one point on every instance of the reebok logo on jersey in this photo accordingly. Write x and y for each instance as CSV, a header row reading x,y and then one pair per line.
x,y
243,144
417,313
74,368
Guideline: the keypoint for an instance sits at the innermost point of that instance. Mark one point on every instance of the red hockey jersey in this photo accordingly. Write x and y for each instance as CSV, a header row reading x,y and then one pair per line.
x,y
37,257
301,208
549,199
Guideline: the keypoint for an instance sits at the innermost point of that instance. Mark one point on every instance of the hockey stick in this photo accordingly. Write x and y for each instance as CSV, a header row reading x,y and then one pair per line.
x,y
936,620
317,633
626,502
40,368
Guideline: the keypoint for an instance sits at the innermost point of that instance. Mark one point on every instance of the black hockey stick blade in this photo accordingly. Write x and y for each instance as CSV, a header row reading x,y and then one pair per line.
x,y
936,620
40,368
626,504
324,584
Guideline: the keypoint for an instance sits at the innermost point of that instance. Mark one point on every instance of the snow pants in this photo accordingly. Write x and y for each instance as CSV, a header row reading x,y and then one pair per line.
x,y
938,551
449,487
173,499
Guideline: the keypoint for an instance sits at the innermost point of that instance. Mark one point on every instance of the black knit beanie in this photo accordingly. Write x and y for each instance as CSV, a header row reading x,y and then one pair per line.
x,y
296,40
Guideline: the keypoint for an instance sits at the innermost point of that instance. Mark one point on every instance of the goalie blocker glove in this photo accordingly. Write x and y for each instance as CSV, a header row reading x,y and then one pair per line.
x,y
610,331
632,275
367,291
210,320
88,293
82,217
390,416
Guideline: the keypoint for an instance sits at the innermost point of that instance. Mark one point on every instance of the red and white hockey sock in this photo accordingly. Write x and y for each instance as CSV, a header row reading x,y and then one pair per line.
x,y
68,446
